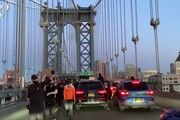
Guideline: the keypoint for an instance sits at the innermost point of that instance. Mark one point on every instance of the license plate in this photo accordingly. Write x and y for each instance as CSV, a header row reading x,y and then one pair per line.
x,y
138,100
90,94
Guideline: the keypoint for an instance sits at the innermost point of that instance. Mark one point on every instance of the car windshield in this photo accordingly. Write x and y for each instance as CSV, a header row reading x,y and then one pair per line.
x,y
91,86
136,87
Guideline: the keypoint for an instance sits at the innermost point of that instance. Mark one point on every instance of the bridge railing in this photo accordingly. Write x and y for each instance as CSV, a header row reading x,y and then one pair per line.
x,y
167,99
12,95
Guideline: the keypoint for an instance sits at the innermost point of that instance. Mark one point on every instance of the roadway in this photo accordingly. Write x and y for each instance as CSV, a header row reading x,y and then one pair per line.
x,y
92,113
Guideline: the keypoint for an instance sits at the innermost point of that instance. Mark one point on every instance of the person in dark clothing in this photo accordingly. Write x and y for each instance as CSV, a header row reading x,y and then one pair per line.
x,y
35,97
50,95
132,78
101,78
75,84
60,88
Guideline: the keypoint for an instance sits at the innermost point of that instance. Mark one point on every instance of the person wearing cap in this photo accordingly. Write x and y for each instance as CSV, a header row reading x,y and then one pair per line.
x,y
35,97
69,99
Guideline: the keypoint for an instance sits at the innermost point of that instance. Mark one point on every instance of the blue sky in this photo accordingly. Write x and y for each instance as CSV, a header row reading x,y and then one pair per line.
x,y
168,35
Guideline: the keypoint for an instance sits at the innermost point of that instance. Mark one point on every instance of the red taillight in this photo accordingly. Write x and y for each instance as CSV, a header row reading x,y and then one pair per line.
x,y
135,82
102,91
79,92
124,93
150,92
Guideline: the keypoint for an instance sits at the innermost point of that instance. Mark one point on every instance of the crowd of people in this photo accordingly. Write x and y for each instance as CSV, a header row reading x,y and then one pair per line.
x,y
51,95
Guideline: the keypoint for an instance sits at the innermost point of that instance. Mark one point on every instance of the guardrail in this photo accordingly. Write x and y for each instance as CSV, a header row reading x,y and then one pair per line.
x,y
167,99
12,95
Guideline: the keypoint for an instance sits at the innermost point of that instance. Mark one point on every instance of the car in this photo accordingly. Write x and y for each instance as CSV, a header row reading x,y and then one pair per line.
x,y
134,94
170,114
91,93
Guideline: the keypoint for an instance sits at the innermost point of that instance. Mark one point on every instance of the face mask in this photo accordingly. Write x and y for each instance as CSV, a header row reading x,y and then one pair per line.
x,y
35,82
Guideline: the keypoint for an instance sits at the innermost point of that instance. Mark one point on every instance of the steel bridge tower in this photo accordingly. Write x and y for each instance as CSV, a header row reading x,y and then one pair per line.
x,y
82,20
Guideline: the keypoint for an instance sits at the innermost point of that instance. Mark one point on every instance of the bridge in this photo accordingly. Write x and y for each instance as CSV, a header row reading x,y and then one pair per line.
x,y
71,38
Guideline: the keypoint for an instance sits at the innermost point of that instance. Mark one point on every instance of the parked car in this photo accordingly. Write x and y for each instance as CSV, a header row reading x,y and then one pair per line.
x,y
134,94
91,93
170,114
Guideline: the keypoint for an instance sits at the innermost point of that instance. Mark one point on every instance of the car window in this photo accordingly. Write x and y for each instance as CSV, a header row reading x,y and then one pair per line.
x,y
91,86
141,86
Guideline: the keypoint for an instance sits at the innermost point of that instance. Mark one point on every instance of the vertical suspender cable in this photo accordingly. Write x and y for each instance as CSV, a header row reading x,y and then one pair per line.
x,y
154,22
17,46
106,31
7,39
135,38
101,26
4,49
123,45
104,27
117,35
136,14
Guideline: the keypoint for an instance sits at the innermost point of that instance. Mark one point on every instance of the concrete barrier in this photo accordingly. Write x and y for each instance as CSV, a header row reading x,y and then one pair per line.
x,y
167,100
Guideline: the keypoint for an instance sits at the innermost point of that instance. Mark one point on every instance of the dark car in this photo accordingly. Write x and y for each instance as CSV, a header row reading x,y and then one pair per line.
x,y
91,93
134,94
171,114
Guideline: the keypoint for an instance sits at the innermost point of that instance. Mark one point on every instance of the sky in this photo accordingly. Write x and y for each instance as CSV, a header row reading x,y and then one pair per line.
x,y
168,35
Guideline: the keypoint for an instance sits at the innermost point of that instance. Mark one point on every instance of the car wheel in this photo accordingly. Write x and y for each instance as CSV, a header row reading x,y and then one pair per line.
x,y
120,108
77,107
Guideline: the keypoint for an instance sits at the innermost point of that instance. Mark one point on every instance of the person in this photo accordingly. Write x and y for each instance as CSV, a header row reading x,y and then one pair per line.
x,y
53,77
50,95
35,97
101,78
132,78
69,99
60,88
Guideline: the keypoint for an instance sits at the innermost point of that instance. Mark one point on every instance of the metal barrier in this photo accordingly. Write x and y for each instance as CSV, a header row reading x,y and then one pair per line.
x,y
12,95
167,99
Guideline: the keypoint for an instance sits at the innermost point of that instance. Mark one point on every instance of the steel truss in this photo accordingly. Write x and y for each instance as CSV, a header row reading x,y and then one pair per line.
x,y
53,23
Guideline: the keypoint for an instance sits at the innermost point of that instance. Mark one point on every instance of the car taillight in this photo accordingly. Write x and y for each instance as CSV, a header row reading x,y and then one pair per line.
x,y
102,91
150,92
79,92
124,93
135,82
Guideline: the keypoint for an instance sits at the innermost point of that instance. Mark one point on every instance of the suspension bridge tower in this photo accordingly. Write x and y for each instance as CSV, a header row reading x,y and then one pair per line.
x,y
53,22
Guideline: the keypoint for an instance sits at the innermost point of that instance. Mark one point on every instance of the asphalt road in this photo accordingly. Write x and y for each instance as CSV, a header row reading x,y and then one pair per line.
x,y
97,113
90,113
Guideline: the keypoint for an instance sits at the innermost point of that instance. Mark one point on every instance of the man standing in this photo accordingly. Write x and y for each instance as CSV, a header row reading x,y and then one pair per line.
x,y
101,78
35,97
50,95
69,99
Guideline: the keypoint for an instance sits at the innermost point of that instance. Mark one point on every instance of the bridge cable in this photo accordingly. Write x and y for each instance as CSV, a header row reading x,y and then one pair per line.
x,y
29,45
117,35
135,38
4,52
106,35
123,28
154,22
